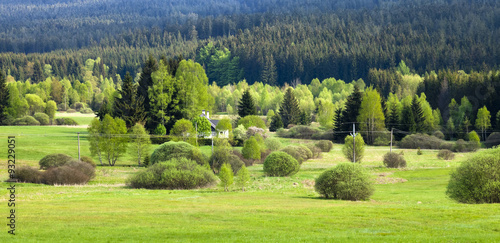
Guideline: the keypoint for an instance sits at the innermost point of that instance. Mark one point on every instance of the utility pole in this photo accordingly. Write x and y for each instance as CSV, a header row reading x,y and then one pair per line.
x,y
392,131
353,134
78,146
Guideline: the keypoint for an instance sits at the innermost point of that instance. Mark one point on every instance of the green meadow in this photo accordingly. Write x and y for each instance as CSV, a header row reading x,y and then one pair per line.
x,y
409,205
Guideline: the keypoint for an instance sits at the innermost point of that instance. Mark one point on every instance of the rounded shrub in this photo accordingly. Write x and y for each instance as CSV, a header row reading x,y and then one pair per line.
x,y
438,134
325,145
251,149
394,160
170,150
316,152
26,121
346,181
42,118
86,111
176,173
477,180
445,154
273,144
54,160
280,164
83,167
292,151
252,121
66,121
65,175
492,140
28,174
88,160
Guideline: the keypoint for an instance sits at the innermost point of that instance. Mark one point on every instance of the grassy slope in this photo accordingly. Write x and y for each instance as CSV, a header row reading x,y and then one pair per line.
x,y
272,209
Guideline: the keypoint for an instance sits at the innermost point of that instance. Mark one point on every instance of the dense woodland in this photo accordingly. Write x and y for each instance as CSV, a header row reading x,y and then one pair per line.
x,y
441,56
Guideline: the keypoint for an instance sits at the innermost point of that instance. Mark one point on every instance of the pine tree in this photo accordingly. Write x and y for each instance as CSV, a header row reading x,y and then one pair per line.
x,y
38,75
289,109
393,117
104,110
407,122
305,119
128,107
246,106
4,98
146,81
337,124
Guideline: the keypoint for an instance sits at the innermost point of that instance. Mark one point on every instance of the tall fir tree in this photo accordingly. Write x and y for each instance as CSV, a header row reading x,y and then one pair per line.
x,y
129,107
103,110
418,115
38,75
351,111
4,98
407,122
393,117
289,109
146,81
337,120
246,106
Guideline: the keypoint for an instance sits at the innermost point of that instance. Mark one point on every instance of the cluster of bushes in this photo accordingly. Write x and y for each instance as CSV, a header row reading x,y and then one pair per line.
x,y
346,181
300,153
477,180
175,173
66,121
424,141
305,132
171,150
59,169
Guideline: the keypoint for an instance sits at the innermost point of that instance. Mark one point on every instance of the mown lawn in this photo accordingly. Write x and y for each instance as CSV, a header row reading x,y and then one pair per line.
x,y
411,206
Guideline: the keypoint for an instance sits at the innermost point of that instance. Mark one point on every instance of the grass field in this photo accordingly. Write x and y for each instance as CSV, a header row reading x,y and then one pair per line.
x,y
409,205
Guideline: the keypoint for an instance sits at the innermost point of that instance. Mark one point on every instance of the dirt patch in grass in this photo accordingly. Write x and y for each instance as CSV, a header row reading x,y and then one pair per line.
x,y
383,178
308,183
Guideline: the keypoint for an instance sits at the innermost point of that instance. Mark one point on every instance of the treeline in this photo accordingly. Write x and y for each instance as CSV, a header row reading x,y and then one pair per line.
x,y
279,48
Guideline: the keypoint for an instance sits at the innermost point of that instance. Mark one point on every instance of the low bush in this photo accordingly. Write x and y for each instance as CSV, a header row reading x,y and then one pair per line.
x,y
316,152
26,121
78,106
492,140
86,111
170,150
273,144
71,111
460,146
176,173
423,141
445,154
65,175
42,118
83,167
438,134
280,164
247,162
88,160
254,131
346,181
394,160
325,145
54,160
235,163
303,132
252,121
299,152
477,179
251,149
66,122
28,174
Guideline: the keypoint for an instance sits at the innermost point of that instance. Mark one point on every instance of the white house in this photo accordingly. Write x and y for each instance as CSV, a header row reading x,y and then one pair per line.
x,y
213,124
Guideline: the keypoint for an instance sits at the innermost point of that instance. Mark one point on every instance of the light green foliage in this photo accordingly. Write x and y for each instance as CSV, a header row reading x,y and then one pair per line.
x,y
240,132
252,121
202,126
273,144
221,154
226,176
175,173
42,118
140,143
474,141
346,181
115,140
476,179
35,103
18,106
371,116
269,117
172,149
160,130
222,65
326,112
183,130
429,123
483,120
193,91
347,149
242,177
403,69
280,164
51,108
251,149
224,124
305,98
161,93
95,138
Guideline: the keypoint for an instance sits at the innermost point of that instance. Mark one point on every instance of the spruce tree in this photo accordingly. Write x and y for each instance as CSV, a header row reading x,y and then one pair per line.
x,y
337,123
38,75
407,121
103,110
4,98
128,107
276,123
393,117
351,111
146,81
305,119
289,109
418,115
246,106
